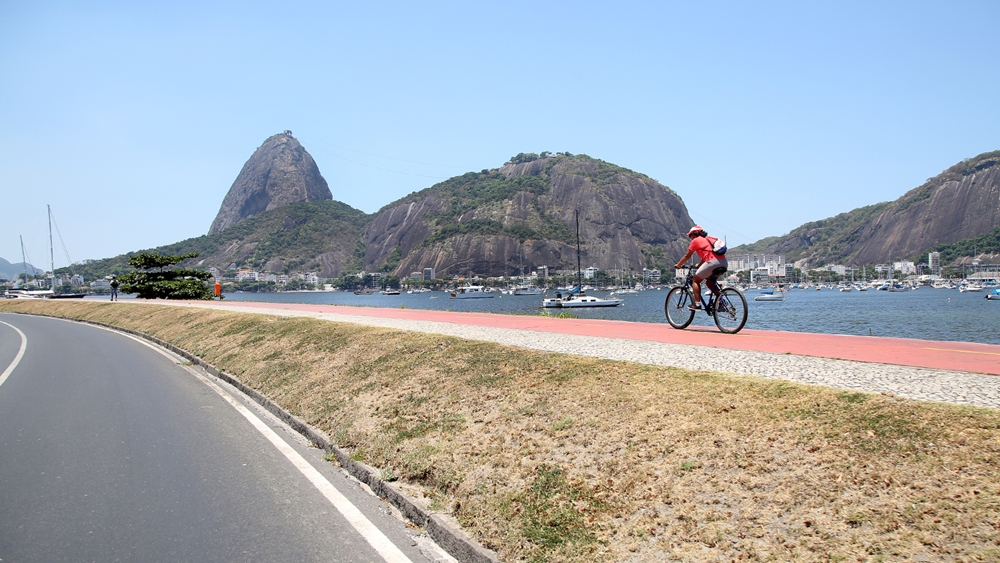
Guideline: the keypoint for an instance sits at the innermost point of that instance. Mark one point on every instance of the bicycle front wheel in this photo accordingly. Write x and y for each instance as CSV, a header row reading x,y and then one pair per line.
x,y
730,311
676,307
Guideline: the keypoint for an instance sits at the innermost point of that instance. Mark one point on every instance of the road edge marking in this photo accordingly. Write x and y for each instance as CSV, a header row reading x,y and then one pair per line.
x,y
375,538
17,358
379,541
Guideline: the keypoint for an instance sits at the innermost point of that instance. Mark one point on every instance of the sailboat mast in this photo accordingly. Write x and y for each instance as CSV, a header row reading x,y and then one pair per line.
x,y
52,256
24,261
579,273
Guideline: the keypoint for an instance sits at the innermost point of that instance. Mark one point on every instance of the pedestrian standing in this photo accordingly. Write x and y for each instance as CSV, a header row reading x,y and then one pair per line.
x,y
114,288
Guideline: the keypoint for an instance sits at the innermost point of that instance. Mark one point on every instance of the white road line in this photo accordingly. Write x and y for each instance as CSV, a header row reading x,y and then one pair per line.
x,y
20,353
382,544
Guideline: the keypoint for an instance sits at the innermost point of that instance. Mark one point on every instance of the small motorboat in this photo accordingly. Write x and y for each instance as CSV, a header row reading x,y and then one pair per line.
x,y
770,295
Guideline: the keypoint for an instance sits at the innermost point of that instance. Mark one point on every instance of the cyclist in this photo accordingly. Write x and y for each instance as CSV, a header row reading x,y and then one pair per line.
x,y
709,268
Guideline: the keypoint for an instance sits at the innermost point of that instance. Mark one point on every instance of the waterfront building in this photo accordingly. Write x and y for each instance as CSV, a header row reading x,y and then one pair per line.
x,y
248,275
429,274
934,262
984,272
771,265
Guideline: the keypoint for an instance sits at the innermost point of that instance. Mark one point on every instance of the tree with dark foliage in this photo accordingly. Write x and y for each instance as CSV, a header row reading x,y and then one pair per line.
x,y
156,281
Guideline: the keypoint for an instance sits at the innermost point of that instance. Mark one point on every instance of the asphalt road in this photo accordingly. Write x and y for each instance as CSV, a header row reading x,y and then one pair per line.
x,y
113,451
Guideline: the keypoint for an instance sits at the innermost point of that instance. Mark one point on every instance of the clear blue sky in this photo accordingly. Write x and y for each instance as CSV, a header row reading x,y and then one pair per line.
x,y
132,119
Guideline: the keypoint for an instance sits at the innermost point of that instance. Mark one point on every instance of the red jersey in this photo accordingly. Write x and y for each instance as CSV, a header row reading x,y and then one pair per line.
x,y
703,247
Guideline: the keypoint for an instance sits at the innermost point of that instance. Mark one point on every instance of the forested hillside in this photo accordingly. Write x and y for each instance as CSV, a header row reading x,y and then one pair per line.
x,y
317,237
960,204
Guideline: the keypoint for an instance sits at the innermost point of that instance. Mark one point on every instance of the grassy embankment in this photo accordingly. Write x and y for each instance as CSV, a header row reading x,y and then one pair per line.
x,y
546,457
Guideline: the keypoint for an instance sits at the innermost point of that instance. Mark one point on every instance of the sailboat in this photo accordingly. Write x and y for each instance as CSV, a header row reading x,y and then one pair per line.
x,y
577,298
524,288
41,293
21,293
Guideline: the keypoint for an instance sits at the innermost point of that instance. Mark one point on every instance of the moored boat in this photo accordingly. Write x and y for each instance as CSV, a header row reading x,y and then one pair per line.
x,y
769,295
471,292
528,289
577,300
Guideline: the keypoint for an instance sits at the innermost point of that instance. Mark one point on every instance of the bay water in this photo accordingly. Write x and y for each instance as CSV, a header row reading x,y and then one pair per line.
x,y
926,313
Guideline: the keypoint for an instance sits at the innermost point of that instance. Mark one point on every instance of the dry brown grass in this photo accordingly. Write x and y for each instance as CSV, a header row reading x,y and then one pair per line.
x,y
547,457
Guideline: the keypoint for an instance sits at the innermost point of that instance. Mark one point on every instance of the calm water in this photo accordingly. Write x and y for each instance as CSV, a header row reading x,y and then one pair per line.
x,y
931,314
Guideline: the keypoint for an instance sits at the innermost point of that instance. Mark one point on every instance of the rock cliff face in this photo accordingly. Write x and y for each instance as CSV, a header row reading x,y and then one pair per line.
x,y
491,223
960,203
279,172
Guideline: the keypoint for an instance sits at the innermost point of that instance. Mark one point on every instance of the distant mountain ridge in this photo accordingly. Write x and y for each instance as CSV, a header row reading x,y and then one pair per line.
x,y
961,203
490,223
521,216
10,271
279,172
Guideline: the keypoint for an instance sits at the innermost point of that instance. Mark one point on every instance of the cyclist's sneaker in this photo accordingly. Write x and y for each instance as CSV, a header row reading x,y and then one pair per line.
x,y
694,308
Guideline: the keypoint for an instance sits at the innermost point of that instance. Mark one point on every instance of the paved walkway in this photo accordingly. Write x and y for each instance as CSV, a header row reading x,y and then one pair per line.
x,y
954,372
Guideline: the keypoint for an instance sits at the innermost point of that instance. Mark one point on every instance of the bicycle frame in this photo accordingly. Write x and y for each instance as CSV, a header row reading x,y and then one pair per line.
x,y
713,290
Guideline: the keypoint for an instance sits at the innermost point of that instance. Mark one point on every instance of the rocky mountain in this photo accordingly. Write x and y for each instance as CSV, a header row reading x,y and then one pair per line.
x,y
961,203
522,214
279,172
494,222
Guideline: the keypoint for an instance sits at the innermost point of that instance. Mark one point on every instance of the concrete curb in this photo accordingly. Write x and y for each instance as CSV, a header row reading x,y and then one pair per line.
x,y
450,537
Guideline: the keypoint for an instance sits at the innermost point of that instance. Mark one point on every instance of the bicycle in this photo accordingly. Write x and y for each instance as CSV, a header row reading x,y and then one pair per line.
x,y
729,308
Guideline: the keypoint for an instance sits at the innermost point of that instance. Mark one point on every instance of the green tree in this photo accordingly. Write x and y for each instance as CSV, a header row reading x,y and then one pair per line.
x,y
156,281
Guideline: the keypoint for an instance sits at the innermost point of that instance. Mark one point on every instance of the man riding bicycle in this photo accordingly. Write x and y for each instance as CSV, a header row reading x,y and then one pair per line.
x,y
709,268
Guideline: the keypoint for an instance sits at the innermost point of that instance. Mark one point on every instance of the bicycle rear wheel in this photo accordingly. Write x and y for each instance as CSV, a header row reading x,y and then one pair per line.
x,y
730,311
676,307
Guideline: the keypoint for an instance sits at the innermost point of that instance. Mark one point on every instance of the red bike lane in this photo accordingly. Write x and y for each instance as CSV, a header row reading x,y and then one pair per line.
x,y
958,356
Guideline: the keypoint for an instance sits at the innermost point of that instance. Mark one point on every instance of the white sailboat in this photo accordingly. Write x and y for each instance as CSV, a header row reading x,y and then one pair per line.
x,y
577,298
41,293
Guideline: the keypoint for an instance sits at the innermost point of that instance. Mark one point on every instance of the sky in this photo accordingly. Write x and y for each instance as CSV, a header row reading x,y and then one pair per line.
x,y
132,119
